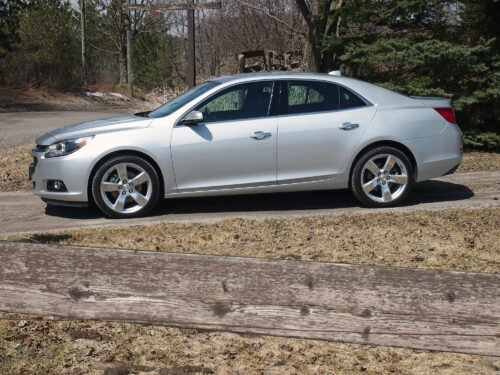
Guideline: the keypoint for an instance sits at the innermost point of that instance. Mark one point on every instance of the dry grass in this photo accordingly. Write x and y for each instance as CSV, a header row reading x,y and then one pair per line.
x,y
14,163
480,161
30,346
453,239
46,99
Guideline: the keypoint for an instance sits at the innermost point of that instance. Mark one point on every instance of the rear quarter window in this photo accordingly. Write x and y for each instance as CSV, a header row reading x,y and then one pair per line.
x,y
348,99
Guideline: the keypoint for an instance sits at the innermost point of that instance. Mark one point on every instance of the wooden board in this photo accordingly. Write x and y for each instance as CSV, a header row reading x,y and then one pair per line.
x,y
422,309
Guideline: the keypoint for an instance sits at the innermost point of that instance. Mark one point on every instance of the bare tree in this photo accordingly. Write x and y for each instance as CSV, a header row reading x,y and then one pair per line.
x,y
260,25
322,19
109,34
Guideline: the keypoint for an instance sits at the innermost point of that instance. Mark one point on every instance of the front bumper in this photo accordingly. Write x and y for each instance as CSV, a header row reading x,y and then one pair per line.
x,y
71,169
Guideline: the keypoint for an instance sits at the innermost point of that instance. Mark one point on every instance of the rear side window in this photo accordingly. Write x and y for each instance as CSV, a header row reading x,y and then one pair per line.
x,y
310,96
348,99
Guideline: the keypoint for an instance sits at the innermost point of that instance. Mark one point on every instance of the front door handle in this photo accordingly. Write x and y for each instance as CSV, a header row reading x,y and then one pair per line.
x,y
348,126
260,135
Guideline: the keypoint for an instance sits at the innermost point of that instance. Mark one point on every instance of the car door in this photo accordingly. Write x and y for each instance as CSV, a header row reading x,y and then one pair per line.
x,y
235,144
319,126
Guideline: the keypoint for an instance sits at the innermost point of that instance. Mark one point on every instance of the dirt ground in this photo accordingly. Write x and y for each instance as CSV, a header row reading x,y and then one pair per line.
x,y
455,239
42,99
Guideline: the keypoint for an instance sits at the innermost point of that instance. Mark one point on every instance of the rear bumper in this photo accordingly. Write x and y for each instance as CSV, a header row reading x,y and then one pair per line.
x,y
438,155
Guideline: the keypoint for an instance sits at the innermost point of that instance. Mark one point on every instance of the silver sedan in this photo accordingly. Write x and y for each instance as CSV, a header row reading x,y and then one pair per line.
x,y
252,133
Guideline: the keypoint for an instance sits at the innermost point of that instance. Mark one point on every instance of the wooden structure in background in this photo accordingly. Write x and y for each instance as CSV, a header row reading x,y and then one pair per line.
x,y
422,309
266,60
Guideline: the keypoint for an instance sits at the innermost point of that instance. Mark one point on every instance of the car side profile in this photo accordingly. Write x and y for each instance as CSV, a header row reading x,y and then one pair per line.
x,y
248,134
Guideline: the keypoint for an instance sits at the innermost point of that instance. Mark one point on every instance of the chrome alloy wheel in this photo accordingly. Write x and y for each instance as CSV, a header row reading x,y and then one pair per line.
x,y
384,178
126,188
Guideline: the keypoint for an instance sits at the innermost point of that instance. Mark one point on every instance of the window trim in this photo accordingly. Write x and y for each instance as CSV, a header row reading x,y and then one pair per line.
x,y
271,102
283,97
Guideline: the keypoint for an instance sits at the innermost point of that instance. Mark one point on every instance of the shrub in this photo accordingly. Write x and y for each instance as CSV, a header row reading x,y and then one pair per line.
x,y
482,141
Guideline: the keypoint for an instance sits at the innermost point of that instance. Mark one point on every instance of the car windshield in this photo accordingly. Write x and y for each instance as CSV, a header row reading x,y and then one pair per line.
x,y
176,103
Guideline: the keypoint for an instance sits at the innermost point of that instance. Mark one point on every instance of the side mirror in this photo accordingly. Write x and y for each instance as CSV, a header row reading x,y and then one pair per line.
x,y
192,118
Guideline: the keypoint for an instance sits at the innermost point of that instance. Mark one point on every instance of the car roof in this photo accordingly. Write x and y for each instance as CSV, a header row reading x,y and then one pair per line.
x,y
270,75
374,94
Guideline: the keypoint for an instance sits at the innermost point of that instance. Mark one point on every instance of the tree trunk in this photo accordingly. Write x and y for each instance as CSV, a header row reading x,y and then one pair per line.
x,y
320,26
122,57
312,59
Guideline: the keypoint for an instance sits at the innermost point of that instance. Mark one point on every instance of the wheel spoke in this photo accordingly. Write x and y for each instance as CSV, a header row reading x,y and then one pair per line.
x,y
372,167
140,199
400,179
122,172
140,178
109,186
386,193
120,203
389,163
370,185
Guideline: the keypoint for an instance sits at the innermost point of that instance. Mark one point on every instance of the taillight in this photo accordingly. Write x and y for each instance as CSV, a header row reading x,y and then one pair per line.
x,y
447,114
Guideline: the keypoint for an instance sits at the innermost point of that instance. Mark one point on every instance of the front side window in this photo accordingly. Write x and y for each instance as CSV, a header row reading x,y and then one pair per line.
x,y
176,103
245,101
310,96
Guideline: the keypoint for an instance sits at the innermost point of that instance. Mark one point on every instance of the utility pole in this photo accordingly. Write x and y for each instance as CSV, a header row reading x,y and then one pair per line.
x,y
191,70
190,6
129,55
83,29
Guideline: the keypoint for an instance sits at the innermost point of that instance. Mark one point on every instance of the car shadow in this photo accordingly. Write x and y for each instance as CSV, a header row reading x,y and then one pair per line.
x,y
423,192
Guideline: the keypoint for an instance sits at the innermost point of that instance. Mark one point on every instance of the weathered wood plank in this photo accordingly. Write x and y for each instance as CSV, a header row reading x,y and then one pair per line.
x,y
422,309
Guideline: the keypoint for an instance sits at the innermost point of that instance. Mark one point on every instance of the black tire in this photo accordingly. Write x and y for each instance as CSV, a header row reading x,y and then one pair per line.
x,y
137,198
387,188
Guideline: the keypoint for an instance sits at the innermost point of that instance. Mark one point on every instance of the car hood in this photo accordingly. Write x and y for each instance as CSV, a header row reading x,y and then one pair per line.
x,y
84,129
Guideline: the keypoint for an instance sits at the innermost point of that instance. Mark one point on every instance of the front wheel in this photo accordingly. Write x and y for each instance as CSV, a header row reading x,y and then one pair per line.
x,y
382,177
125,186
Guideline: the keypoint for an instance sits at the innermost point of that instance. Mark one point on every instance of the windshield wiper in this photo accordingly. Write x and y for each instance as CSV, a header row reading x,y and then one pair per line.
x,y
142,114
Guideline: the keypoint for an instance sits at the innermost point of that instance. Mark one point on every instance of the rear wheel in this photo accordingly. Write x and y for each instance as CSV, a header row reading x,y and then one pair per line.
x,y
125,186
382,177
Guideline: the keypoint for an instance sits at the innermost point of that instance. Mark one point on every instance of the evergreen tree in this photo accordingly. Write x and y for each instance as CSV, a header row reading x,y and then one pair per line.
x,y
427,48
47,50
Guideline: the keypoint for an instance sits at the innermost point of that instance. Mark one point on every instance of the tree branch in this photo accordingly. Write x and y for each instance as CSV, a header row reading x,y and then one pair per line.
x,y
103,50
304,9
254,7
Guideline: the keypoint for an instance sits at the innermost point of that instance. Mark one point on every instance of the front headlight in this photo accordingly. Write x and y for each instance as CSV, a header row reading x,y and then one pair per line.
x,y
66,147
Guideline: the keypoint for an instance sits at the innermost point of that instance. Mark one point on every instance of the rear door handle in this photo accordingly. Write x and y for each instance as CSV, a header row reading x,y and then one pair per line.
x,y
260,135
348,126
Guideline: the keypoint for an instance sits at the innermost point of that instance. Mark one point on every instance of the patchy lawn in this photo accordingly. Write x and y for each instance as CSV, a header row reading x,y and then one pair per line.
x,y
34,345
479,161
452,239
14,162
